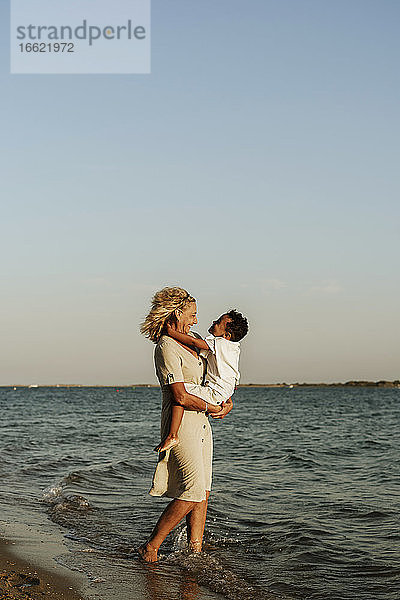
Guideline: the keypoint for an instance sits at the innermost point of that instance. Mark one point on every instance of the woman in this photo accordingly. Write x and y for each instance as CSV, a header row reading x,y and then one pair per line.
x,y
183,472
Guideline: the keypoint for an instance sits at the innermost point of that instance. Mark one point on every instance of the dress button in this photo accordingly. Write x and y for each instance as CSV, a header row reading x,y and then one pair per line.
x,y
204,426
202,440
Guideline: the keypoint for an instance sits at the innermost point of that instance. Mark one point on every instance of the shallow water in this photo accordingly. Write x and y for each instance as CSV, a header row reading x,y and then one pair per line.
x,y
305,501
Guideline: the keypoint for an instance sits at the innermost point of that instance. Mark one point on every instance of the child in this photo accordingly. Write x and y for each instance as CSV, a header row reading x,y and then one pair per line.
x,y
221,349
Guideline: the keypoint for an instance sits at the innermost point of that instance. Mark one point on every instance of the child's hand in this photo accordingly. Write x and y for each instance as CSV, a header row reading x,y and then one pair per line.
x,y
165,330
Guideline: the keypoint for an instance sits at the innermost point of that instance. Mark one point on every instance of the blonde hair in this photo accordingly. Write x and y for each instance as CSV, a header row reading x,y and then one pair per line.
x,y
163,305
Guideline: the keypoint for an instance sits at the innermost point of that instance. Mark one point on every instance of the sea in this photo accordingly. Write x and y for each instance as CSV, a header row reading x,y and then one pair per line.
x,y
305,501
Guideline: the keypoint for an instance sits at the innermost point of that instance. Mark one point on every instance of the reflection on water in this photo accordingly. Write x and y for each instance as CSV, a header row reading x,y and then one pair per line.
x,y
155,585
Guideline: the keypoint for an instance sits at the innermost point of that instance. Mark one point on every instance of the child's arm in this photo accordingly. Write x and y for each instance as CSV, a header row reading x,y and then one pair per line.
x,y
188,340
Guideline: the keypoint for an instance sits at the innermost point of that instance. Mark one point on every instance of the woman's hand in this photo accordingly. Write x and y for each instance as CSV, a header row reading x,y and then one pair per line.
x,y
214,409
226,408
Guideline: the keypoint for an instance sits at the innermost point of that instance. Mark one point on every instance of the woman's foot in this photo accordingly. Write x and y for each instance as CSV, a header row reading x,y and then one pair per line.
x,y
148,553
169,442
195,546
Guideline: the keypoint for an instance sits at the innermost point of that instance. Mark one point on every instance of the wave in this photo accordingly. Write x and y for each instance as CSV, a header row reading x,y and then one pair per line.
x,y
59,500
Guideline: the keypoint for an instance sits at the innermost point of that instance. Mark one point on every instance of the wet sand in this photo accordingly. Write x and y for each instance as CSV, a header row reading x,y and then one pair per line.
x,y
30,569
21,580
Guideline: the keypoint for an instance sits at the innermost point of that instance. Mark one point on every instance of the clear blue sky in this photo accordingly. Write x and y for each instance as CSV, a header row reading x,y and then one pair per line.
x,y
257,166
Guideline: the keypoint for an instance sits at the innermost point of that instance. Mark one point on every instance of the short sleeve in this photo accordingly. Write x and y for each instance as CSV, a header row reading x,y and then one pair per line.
x,y
168,364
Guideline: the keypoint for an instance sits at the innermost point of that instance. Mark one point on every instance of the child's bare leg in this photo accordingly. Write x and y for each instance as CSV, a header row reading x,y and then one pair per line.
x,y
172,438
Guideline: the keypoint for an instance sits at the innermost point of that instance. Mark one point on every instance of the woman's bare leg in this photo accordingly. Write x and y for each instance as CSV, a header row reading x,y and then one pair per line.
x,y
172,515
195,523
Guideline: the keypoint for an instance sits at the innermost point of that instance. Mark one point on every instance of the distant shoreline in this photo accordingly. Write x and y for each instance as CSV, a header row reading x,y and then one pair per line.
x,y
374,384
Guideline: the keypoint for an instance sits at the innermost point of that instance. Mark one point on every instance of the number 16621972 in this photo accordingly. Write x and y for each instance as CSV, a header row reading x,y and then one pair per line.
x,y
50,47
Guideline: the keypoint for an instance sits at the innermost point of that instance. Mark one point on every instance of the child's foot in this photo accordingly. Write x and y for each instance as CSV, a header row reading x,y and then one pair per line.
x,y
169,442
148,553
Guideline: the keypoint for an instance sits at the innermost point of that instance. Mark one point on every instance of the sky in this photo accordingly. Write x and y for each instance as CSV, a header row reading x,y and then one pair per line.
x,y
256,166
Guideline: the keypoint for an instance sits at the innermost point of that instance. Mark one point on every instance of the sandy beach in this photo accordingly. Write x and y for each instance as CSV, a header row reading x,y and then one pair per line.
x,y
28,568
21,579
31,569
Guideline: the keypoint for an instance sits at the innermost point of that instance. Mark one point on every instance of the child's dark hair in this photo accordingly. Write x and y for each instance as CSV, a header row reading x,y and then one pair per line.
x,y
237,326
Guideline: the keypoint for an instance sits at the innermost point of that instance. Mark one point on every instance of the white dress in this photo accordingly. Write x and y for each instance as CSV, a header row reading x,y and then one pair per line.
x,y
185,471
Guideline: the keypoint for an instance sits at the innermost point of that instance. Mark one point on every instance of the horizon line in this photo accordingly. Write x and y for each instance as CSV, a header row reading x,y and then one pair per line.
x,y
360,382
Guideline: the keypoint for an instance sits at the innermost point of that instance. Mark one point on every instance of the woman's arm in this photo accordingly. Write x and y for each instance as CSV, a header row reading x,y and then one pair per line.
x,y
190,402
188,340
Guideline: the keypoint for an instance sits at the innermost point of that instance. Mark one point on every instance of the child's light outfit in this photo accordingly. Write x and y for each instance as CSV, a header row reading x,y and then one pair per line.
x,y
222,371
